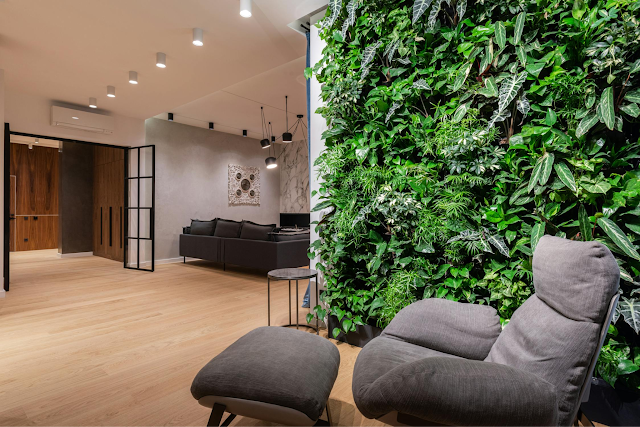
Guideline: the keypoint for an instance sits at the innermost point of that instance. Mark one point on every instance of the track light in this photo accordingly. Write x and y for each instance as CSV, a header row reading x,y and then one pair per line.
x,y
271,162
170,117
210,125
265,143
197,37
133,77
111,91
161,60
93,103
244,133
245,8
286,137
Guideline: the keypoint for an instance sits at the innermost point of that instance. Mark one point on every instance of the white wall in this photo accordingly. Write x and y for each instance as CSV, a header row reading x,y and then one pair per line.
x,y
32,114
192,179
2,120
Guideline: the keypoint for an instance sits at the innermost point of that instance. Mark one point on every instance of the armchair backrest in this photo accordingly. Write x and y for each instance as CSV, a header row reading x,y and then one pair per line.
x,y
559,330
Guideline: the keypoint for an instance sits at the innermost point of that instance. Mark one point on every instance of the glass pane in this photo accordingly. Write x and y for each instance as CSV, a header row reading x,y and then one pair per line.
x,y
133,162
133,223
145,223
132,253
146,193
146,161
133,193
145,254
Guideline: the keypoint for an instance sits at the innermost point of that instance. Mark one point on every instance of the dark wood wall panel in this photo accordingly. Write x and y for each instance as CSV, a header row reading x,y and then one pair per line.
x,y
108,203
36,197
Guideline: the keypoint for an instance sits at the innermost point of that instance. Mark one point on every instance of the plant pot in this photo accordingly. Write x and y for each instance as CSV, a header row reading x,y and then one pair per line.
x,y
359,338
612,406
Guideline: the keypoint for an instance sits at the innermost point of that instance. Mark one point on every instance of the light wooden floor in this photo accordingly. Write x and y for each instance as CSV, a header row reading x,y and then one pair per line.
x,y
85,342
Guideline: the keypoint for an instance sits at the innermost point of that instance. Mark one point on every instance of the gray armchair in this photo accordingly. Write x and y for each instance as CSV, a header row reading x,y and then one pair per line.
x,y
441,362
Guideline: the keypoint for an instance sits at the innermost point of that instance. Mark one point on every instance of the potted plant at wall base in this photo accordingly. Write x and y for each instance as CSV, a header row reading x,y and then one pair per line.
x,y
470,130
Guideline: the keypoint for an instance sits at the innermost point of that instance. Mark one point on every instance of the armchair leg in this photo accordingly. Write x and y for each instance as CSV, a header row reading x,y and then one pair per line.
x,y
322,422
582,420
216,415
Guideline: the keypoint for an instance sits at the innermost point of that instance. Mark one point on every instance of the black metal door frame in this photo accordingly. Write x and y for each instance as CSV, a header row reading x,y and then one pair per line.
x,y
138,208
7,202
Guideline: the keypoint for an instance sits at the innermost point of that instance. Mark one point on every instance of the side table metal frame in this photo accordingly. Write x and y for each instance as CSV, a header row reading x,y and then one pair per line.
x,y
297,324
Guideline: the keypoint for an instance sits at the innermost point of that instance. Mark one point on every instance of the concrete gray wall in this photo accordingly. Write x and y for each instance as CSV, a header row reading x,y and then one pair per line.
x,y
75,220
191,180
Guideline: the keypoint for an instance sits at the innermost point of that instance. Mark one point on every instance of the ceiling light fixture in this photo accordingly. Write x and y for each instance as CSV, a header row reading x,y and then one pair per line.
x,y
75,118
244,133
286,137
111,91
37,140
93,103
271,162
30,146
170,117
210,125
198,37
161,60
133,77
264,142
245,8
59,146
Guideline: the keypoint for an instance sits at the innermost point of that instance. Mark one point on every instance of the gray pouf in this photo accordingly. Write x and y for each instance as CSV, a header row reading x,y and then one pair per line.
x,y
272,373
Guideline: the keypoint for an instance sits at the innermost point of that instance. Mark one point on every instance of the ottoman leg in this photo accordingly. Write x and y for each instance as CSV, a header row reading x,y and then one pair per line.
x,y
216,415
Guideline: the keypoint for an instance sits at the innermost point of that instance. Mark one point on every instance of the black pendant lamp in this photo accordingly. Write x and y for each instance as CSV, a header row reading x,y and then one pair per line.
x,y
264,142
286,137
271,161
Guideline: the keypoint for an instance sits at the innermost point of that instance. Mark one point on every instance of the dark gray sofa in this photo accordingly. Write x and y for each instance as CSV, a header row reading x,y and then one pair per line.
x,y
259,254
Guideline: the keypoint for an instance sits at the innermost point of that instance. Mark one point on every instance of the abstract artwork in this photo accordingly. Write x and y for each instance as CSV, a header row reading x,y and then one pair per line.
x,y
244,185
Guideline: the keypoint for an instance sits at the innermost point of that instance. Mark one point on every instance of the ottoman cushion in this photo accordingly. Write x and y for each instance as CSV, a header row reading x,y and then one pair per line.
x,y
273,365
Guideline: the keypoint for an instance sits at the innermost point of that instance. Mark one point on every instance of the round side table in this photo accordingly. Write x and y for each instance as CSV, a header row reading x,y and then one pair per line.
x,y
291,274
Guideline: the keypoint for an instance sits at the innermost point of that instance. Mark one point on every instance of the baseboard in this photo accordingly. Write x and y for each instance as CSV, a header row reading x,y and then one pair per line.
x,y
75,255
2,292
167,261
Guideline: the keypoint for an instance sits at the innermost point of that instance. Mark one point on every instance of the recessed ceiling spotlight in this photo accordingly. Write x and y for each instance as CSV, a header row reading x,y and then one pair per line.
x,y
245,8
197,37
30,146
210,125
37,140
93,103
244,133
170,117
111,91
75,118
161,60
133,77
271,162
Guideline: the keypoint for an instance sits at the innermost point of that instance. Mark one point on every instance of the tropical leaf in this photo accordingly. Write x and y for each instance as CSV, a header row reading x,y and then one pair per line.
x,y
517,35
496,117
462,76
404,61
433,16
421,84
392,110
369,53
509,89
499,244
606,107
523,105
535,175
586,123
565,175
501,34
365,73
633,96
465,235
631,109
420,7
334,7
345,28
537,231
630,311
584,223
635,67
547,165
619,238
522,55
351,11
461,8
460,112
551,118
600,187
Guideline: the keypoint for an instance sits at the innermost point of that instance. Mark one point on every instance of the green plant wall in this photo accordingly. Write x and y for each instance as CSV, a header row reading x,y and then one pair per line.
x,y
459,134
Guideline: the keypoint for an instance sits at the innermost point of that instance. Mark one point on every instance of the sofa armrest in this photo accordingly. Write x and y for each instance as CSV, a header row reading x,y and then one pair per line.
x,y
465,330
454,391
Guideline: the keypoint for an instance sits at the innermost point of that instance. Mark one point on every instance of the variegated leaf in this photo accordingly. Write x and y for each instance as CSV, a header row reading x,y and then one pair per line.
x,y
463,73
547,165
393,49
461,8
465,235
565,175
635,67
421,84
460,112
586,123
606,107
522,55
537,231
523,105
404,61
420,7
392,110
631,109
619,238
497,117
630,311
345,27
501,34
499,244
365,73
369,53
351,10
517,35
433,16
334,7
535,175
509,89
585,224
633,96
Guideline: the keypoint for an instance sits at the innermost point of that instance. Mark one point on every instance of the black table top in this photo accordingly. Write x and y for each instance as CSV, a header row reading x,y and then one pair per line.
x,y
292,273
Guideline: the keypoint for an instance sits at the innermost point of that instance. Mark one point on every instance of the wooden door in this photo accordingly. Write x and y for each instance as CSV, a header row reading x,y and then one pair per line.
x,y
12,213
108,203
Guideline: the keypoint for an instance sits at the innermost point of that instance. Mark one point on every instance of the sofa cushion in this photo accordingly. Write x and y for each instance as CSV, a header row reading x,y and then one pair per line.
x,y
252,231
202,228
285,236
227,228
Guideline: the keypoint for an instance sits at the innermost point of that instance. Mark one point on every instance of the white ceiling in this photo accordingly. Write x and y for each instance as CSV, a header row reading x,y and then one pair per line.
x,y
70,50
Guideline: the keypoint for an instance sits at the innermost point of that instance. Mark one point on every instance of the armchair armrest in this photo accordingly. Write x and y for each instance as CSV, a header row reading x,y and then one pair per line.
x,y
454,391
465,330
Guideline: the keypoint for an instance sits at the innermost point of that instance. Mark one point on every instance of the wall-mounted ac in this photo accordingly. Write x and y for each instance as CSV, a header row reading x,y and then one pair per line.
x,y
76,119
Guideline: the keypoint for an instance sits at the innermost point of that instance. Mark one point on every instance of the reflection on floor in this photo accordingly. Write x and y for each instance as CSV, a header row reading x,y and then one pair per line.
x,y
86,342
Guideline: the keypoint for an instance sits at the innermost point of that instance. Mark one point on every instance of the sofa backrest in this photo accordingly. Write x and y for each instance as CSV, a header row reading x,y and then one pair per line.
x,y
556,332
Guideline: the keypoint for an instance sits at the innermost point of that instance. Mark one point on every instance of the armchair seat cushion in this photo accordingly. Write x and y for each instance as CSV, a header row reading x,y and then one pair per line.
x,y
455,391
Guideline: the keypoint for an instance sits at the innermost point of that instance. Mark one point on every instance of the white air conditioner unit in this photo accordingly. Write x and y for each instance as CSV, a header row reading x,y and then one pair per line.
x,y
76,119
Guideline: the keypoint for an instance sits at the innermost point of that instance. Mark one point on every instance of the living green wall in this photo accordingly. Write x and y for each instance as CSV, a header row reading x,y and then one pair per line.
x,y
459,134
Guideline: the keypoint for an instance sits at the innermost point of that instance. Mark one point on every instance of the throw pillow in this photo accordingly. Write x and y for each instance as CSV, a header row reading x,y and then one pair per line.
x,y
252,231
203,228
227,228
